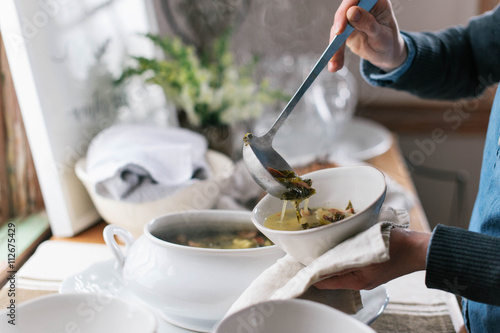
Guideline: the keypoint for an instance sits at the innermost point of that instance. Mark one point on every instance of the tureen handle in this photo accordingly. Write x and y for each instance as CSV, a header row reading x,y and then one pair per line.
x,y
109,233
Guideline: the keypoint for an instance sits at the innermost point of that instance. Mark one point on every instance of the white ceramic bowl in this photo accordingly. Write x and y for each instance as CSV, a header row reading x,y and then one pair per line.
x,y
133,216
191,287
94,313
293,315
364,186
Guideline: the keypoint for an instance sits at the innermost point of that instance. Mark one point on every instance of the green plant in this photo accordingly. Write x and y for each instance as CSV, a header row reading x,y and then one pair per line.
x,y
209,87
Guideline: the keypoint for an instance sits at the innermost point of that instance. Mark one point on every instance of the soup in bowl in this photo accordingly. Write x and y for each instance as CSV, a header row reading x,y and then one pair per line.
x,y
178,266
360,187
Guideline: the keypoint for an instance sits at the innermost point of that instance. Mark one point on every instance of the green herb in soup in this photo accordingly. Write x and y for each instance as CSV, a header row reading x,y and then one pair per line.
x,y
237,239
309,218
298,188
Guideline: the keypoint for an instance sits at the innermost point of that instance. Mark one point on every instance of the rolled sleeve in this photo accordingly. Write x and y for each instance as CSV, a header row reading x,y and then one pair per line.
x,y
377,77
465,263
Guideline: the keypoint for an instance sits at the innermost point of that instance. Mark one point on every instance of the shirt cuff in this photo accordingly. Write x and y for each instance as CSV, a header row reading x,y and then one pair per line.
x,y
377,77
464,263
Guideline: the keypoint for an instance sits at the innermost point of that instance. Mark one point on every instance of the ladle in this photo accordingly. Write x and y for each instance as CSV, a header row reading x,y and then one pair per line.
x,y
258,154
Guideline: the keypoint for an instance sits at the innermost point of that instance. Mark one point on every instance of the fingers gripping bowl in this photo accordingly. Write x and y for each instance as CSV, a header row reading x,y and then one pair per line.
x,y
364,186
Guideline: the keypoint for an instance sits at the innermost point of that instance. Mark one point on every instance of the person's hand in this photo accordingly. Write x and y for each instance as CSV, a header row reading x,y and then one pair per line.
x,y
376,37
407,250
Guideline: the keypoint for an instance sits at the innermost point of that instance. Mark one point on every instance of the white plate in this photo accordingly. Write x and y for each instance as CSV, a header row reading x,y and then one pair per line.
x,y
361,139
357,139
79,313
103,278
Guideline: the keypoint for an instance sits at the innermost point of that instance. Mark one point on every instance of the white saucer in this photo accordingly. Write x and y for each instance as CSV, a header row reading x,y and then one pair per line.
x,y
360,139
103,278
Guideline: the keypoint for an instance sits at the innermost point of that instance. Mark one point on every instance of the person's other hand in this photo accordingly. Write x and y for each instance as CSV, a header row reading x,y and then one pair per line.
x,y
376,37
407,250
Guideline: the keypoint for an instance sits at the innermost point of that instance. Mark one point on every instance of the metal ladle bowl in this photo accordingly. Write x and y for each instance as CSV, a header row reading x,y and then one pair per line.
x,y
258,153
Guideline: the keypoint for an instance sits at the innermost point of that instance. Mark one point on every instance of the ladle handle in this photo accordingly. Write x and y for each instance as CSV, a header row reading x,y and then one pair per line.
x,y
335,44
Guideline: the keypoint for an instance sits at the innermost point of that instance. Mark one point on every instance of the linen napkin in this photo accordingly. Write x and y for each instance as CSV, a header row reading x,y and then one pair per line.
x,y
290,279
139,163
413,305
242,192
53,261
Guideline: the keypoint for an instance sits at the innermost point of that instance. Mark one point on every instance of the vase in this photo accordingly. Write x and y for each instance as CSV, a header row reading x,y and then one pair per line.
x,y
219,137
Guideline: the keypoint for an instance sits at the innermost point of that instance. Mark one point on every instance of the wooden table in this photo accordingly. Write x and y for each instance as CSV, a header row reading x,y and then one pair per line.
x,y
393,164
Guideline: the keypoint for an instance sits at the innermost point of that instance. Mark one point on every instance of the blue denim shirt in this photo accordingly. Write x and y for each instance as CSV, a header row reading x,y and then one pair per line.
x,y
479,317
486,218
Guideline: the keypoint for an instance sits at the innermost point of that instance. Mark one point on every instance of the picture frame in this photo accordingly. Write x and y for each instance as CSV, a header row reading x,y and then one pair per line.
x,y
64,56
